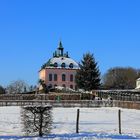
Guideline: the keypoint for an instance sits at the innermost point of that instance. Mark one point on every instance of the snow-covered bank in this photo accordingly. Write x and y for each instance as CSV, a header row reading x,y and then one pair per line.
x,y
94,123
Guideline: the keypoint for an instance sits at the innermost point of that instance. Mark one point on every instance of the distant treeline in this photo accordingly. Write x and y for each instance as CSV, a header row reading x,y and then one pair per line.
x,y
120,78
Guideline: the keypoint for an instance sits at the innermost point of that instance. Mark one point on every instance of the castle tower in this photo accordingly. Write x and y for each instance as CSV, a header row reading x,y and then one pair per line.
x,y
60,49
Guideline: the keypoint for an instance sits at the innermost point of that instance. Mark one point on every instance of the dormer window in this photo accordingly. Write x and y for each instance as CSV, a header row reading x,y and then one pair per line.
x,y
71,65
63,65
55,64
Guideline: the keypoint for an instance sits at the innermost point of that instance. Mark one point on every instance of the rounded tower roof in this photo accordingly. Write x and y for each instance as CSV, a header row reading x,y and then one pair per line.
x,y
61,60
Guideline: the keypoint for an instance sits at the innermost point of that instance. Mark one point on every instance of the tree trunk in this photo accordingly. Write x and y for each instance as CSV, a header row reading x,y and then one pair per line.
x,y
41,121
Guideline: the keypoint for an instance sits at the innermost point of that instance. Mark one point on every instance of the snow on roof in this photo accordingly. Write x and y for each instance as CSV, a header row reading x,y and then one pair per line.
x,y
60,60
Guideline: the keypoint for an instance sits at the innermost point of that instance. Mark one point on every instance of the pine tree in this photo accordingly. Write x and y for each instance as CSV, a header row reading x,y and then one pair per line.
x,y
2,90
88,76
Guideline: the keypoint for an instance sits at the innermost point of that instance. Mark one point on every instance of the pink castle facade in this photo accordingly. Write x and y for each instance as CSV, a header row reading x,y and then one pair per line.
x,y
60,70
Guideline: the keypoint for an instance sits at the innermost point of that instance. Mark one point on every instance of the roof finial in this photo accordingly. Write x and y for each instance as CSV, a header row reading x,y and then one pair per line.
x,y
60,49
60,45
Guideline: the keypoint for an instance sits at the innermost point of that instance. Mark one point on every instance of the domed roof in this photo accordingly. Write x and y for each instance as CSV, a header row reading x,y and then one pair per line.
x,y
61,60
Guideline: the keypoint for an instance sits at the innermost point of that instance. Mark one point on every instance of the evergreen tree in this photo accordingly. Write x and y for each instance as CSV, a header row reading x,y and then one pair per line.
x,y
2,90
88,76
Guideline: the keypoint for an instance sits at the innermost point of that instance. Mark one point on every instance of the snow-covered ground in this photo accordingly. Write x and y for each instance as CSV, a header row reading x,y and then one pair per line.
x,y
95,123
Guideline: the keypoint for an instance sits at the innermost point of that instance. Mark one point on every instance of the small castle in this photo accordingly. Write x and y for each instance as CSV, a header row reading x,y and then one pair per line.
x,y
60,70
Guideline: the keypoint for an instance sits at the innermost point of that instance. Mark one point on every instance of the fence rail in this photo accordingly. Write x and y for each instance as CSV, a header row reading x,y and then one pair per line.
x,y
123,95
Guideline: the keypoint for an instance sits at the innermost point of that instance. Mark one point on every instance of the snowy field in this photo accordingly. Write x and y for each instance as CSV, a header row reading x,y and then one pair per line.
x,y
95,123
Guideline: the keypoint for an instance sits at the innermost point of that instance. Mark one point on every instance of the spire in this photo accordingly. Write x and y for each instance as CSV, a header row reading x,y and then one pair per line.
x,y
60,49
60,45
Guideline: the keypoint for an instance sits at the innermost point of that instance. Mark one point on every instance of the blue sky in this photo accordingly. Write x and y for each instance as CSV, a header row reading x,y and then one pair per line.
x,y
31,29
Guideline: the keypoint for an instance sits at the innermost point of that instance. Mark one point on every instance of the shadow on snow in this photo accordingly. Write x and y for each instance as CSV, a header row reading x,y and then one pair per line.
x,y
73,136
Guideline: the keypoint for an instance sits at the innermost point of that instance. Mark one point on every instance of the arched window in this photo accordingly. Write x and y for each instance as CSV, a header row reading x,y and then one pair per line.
x,y
55,77
71,65
55,64
71,86
63,77
71,77
63,65
50,77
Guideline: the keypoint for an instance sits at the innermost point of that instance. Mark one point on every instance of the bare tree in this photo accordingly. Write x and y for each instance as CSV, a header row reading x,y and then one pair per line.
x,y
18,86
37,120
120,78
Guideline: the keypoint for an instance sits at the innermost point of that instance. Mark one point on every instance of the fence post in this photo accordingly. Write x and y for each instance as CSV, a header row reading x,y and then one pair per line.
x,y
77,121
119,116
